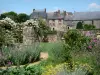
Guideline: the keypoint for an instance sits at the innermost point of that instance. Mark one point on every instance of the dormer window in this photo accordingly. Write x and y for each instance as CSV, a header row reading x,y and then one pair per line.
x,y
59,20
53,20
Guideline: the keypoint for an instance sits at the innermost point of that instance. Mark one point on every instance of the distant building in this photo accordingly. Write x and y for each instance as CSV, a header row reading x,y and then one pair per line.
x,y
62,20
56,20
38,13
87,18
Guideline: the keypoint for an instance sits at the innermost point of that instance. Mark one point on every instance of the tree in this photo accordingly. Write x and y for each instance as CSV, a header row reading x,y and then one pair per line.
x,y
79,25
12,15
44,29
22,17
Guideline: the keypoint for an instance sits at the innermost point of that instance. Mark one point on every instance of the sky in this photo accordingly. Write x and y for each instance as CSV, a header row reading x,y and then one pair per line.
x,y
26,6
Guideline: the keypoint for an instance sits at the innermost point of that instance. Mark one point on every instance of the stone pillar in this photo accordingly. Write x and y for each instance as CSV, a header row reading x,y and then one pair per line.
x,y
27,35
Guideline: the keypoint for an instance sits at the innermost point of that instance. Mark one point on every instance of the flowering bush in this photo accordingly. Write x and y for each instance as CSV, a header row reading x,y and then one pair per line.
x,y
31,22
7,26
64,69
76,40
92,43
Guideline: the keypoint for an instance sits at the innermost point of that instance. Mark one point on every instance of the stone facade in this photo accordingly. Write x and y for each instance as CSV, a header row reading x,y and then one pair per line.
x,y
57,25
62,20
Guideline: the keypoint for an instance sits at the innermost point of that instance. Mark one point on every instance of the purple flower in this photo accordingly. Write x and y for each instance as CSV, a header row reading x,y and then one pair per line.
x,y
9,63
90,47
94,40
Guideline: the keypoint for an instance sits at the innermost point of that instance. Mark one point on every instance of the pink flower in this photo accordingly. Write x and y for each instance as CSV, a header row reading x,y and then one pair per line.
x,y
9,63
90,47
94,40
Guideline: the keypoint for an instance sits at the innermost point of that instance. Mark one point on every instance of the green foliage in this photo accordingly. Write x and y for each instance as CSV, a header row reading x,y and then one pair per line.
x,y
32,70
18,56
64,69
79,25
18,33
76,40
60,53
89,27
22,17
6,33
11,15
44,30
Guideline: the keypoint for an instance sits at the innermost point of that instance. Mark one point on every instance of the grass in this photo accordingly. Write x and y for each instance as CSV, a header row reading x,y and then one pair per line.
x,y
45,47
81,56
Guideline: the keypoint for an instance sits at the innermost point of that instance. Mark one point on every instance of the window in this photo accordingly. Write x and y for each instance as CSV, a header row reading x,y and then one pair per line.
x,y
53,20
53,24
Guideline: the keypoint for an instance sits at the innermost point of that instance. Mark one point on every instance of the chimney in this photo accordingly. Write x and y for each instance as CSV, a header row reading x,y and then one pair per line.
x,y
33,10
59,11
45,10
64,13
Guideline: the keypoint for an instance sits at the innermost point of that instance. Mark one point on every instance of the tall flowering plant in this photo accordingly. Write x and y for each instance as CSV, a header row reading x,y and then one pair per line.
x,y
92,43
7,26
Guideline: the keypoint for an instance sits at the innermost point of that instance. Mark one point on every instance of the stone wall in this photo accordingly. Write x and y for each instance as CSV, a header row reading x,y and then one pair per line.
x,y
90,33
28,37
52,38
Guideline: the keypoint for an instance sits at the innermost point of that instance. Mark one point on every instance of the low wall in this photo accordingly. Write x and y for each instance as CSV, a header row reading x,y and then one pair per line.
x,y
91,33
52,38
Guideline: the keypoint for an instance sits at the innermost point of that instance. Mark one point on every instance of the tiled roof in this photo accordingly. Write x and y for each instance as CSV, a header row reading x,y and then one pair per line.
x,y
86,15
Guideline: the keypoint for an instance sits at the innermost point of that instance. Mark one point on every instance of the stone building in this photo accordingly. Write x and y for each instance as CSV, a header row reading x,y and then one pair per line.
x,y
62,20
92,18
38,13
56,20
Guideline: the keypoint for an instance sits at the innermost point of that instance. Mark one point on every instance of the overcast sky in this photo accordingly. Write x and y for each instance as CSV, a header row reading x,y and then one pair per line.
x,y
26,6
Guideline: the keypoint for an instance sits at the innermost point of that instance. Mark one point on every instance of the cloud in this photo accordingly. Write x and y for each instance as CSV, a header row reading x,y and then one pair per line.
x,y
94,6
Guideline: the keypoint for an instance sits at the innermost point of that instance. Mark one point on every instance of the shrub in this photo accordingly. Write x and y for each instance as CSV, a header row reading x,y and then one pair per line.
x,y
60,53
64,69
24,70
89,27
79,25
20,56
76,40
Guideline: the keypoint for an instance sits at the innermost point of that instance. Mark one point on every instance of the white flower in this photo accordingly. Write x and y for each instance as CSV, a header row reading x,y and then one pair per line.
x,y
8,21
31,21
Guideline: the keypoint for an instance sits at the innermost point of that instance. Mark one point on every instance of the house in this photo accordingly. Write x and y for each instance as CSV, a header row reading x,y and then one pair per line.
x,y
38,13
87,18
56,20
62,20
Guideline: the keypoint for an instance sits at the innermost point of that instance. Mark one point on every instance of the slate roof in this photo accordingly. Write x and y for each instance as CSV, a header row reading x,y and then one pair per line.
x,y
86,15
69,13
68,17
38,13
54,15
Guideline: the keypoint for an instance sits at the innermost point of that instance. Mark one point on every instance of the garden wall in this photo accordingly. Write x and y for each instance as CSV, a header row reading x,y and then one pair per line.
x,y
91,33
52,38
